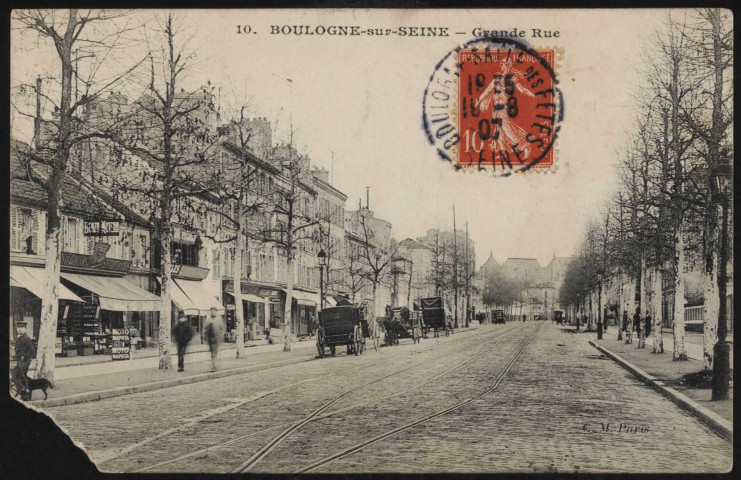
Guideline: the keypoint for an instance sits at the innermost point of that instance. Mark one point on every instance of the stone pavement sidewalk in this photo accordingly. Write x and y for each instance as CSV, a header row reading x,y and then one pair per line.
x,y
666,370
110,384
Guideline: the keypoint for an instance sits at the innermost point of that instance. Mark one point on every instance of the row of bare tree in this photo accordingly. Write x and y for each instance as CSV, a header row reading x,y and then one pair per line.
x,y
669,211
125,120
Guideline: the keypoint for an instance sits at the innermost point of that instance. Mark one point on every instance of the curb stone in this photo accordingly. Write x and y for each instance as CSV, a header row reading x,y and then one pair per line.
x,y
717,423
145,387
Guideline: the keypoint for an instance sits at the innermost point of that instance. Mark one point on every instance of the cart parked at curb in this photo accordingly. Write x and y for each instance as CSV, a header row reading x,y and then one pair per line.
x,y
403,324
339,326
434,316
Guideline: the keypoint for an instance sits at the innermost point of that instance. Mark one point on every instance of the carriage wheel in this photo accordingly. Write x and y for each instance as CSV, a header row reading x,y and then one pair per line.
x,y
362,345
333,350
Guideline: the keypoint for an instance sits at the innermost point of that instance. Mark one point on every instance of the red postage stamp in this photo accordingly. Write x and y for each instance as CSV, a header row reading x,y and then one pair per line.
x,y
494,104
505,112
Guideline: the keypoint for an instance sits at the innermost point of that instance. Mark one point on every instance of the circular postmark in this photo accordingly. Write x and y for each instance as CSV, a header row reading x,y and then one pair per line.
x,y
494,104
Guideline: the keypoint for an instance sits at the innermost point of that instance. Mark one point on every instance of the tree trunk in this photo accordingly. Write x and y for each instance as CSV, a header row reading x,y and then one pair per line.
x,y
645,308
287,309
164,341
710,313
409,287
50,300
50,296
372,313
658,344
680,349
237,280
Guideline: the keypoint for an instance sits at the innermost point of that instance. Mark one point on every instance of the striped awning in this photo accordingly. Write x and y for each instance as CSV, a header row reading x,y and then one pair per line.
x,y
116,294
32,279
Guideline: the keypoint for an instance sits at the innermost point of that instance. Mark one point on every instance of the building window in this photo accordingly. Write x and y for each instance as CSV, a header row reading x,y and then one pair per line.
x,y
216,270
24,230
184,254
228,263
69,235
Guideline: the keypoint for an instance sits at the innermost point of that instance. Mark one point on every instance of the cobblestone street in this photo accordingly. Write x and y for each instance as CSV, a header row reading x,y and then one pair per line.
x,y
560,407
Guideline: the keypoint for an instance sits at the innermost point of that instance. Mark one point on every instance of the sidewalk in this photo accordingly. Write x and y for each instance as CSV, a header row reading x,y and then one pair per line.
x,y
664,369
98,364
106,383
97,381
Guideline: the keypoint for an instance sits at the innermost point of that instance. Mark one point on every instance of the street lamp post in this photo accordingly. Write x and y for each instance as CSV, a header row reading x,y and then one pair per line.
x,y
721,350
322,257
599,306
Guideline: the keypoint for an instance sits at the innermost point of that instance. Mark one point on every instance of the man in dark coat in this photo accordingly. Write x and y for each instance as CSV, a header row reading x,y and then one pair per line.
x,y
638,328
648,325
24,349
182,333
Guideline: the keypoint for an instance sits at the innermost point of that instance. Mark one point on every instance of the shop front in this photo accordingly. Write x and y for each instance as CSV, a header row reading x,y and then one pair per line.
x,y
192,298
26,290
260,306
111,305
303,311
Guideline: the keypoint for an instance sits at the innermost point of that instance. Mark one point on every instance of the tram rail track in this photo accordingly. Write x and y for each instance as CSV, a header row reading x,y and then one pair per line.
x,y
361,445
254,459
320,413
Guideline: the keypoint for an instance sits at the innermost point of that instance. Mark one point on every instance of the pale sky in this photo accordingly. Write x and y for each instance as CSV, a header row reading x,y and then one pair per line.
x,y
359,99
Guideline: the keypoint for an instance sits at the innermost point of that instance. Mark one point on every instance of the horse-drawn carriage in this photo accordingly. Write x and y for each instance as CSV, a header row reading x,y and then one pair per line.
x,y
434,316
558,317
402,324
497,316
342,325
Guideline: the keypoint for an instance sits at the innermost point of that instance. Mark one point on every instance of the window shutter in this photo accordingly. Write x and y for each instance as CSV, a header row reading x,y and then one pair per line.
x,y
80,233
36,230
15,229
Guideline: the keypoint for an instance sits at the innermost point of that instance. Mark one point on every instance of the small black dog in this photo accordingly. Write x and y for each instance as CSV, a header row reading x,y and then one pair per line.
x,y
38,384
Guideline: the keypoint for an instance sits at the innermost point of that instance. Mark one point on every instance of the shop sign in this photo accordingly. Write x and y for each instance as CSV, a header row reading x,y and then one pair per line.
x,y
102,228
122,337
58,345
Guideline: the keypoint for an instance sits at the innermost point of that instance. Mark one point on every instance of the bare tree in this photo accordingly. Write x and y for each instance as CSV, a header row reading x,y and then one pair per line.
x,y
295,222
378,255
239,187
82,49
175,133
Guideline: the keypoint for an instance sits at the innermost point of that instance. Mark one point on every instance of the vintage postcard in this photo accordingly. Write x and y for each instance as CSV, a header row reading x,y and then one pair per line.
x,y
374,241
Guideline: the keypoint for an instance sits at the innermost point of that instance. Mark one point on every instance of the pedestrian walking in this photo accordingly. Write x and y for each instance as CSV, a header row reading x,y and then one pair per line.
x,y
524,316
628,328
182,333
637,324
577,322
24,349
213,333
648,326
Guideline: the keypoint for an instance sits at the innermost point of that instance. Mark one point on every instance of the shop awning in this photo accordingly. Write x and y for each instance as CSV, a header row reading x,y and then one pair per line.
x,y
181,300
252,298
32,279
248,297
199,298
303,298
116,294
